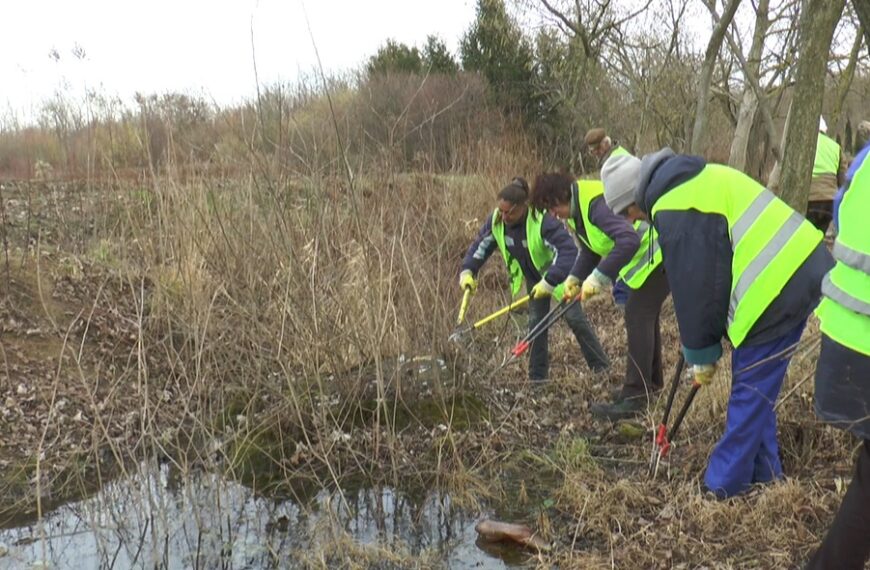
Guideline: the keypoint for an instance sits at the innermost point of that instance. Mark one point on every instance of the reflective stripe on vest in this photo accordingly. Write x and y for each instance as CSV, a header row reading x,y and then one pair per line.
x,y
845,308
542,256
852,257
827,156
763,258
838,294
645,259
769,240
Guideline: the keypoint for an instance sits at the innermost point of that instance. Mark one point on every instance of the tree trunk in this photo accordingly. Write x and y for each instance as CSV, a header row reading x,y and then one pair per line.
x,y
716,39
818,22
776,174
862,9
745,120
749,102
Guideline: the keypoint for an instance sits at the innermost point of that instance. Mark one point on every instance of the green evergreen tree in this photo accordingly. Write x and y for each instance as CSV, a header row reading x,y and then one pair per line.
x,y
438,58
395,57
496,48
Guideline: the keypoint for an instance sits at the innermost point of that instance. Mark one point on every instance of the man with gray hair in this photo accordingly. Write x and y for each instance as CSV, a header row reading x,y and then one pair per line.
x,y
601,146
740,264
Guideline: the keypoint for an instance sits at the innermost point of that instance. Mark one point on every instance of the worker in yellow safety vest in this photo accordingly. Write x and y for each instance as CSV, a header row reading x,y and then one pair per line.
x,y
741,264
601,146
829,170
612,251
843,369
538,250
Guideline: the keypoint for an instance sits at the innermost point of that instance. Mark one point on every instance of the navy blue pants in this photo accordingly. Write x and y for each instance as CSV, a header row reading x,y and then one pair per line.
x,y
621,291
847,544
748,451
843,399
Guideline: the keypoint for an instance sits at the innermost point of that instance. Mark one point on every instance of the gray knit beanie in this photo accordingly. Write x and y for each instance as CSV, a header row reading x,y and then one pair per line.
x,y
620,175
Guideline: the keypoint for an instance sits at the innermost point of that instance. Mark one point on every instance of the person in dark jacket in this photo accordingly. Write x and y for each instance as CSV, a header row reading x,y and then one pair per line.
x,y
611,251
741,265
843,368
538,250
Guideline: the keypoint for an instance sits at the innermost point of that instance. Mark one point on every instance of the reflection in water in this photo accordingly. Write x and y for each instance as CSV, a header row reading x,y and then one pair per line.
x,y
203,521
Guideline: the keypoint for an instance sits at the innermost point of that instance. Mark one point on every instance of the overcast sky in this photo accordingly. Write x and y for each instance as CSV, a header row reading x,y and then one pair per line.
x,y
199,46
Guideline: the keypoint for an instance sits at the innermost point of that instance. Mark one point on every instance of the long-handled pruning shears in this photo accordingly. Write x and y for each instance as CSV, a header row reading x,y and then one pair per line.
x,y
543,325
463,308
459,332
663,435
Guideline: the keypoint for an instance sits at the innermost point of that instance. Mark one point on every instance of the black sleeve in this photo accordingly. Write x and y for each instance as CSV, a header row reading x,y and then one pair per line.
x,y
696,249
557,238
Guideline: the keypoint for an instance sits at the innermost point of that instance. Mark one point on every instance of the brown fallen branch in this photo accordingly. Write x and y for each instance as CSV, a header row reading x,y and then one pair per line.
x,y
495,531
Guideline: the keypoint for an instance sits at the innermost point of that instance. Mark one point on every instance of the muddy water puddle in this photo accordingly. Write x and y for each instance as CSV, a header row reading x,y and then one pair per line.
x,y
157,519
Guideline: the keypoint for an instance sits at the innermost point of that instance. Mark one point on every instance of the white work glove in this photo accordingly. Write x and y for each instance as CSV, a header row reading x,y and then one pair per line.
x,y
542,290
593,285
703,373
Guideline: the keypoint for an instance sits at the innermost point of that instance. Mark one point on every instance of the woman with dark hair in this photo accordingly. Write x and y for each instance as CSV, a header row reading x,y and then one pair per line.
x,y
537,249
612,250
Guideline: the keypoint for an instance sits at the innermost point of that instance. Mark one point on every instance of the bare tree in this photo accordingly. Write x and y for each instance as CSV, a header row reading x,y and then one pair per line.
x,y
710,55
862,9
590,21
749,101
818,22
845,77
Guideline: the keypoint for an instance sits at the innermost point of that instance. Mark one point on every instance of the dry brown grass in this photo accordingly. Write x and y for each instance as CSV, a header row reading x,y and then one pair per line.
x,y
261,318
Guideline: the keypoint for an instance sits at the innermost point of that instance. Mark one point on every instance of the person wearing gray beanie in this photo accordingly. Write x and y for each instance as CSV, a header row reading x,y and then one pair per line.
x,y
619,175
742,265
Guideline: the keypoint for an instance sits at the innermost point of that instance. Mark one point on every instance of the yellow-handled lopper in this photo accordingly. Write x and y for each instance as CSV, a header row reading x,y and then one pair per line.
x,y
503,311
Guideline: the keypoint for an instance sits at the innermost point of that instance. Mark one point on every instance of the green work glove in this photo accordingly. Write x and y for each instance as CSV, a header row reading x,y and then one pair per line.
x,y
703,373
467,281
572,288
542,290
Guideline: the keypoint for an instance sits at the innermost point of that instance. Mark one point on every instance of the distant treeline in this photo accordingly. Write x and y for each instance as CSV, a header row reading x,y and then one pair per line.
x,y
411,108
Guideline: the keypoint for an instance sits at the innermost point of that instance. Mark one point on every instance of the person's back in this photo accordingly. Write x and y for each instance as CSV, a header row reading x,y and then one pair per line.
x,y
828,171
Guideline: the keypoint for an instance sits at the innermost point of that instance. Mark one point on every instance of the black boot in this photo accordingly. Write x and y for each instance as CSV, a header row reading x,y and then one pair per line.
x,y
621,409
